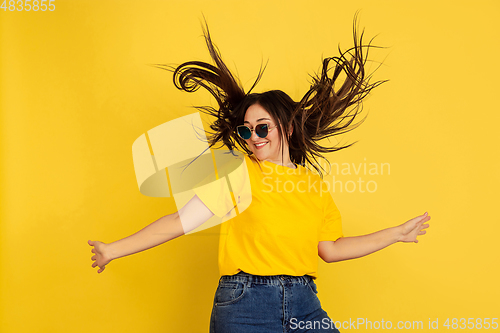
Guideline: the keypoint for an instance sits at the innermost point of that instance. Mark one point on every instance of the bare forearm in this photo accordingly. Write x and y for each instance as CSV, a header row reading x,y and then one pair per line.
x,y
158,232
354,247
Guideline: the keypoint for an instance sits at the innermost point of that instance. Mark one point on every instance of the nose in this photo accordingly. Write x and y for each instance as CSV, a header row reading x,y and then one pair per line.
x,y
254,136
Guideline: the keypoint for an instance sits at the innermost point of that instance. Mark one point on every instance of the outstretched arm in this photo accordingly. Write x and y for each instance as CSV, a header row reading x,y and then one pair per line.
x,y
354,247
193,214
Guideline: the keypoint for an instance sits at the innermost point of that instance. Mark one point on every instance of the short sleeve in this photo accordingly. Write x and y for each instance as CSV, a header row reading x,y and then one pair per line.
x,y
216,196
234,181
331,228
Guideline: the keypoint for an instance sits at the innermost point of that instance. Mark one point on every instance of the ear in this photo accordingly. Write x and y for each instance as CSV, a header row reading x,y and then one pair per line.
x,y
290,130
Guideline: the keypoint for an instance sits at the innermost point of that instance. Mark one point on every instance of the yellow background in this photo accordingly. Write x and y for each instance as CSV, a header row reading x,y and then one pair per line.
x,y
76,91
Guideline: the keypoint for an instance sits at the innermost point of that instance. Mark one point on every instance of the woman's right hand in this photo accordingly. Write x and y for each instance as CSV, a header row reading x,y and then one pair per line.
x,y
100,258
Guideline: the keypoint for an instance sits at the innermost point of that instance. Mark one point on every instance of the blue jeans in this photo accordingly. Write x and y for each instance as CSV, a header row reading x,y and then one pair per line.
x,y
246,303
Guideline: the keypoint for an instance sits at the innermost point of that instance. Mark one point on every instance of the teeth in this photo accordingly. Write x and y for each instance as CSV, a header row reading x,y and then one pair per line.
x,y
260,144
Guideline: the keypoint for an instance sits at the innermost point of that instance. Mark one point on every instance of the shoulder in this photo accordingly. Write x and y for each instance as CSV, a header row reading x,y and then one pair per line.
x,y
253,162
252,159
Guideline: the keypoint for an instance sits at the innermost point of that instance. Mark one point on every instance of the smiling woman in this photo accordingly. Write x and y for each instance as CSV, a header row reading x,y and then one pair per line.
x,y
324,110
268,254
272,147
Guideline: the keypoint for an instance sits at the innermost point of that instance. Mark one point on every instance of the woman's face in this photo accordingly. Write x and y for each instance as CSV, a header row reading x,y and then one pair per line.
x,y
267,148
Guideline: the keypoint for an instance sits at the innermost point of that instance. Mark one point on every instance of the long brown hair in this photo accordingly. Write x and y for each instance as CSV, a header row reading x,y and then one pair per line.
x,y
323,112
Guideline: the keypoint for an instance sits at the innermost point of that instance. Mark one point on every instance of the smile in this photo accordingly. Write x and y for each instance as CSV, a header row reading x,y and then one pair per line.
x,y
260,145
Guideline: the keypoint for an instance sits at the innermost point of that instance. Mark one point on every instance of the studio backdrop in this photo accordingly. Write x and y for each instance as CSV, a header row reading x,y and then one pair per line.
x,y
77,88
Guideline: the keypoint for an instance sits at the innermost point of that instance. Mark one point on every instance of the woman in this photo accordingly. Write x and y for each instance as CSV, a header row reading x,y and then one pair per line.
x,y
268,253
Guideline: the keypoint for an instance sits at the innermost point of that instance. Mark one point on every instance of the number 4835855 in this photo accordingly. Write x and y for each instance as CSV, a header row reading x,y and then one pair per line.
x,y
471,323
28,5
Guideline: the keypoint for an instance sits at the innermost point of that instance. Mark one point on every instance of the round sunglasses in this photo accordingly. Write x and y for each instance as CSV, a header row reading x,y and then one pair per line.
x,y
261,130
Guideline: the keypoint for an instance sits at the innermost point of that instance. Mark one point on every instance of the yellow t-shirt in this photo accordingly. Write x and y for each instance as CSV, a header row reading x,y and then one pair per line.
x,y
290,212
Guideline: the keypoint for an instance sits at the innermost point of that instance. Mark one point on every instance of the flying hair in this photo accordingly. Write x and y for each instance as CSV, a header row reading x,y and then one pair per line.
x,y
323,112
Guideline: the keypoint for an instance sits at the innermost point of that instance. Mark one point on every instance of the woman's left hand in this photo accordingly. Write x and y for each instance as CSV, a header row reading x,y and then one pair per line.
x,y
413,228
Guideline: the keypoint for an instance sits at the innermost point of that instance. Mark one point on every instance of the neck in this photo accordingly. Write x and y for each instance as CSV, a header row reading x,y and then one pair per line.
x,y
285,162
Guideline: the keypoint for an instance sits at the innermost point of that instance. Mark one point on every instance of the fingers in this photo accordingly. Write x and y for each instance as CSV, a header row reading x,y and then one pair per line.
x,y
422,220
100,268
425,219
94,257
421,231
420,226
419,220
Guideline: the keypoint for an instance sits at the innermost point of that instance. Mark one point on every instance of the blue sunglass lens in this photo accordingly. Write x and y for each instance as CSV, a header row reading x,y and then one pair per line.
x,y
261,130
245,133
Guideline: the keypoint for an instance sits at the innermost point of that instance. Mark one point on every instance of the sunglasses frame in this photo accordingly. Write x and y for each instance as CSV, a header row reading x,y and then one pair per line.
x,y
269,129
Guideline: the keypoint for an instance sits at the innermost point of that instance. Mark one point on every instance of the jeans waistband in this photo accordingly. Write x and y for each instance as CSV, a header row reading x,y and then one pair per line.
x,y
265,279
